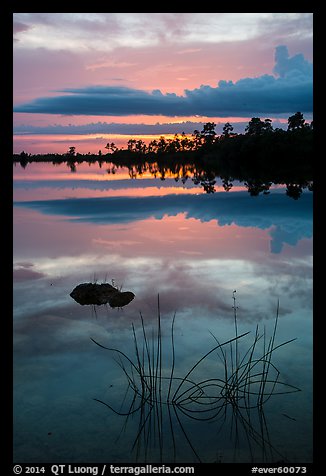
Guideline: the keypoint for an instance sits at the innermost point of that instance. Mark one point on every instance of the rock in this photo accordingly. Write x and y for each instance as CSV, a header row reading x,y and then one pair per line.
x,y
91,293
121,299
98,294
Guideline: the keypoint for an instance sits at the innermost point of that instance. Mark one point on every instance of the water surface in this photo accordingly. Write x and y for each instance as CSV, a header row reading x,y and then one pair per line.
x,y
166,240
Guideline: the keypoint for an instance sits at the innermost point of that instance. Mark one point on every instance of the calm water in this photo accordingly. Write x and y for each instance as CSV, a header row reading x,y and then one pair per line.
x,y
166,241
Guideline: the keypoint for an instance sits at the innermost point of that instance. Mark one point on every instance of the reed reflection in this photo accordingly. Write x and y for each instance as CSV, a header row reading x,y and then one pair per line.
x,y
222,395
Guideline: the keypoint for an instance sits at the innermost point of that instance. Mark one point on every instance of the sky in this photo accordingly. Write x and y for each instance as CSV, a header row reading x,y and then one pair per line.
x,y
84,79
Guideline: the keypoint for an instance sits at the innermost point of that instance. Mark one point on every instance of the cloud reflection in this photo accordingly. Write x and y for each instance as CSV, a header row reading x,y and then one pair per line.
x,y
201,288
25,272
290,220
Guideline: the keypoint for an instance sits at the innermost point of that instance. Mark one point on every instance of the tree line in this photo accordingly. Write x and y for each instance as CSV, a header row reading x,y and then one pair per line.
x,y
208,140
261,155
256,132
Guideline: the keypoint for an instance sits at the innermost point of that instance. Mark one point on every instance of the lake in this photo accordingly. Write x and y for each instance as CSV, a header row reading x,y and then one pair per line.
x,y
212,359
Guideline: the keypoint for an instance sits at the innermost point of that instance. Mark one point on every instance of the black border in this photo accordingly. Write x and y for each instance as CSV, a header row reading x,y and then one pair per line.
x,y
7,242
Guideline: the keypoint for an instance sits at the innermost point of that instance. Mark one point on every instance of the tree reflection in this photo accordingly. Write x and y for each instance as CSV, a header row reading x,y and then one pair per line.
x,y
227,183
202,175
256,187
72,165
206,179
261,154
294,190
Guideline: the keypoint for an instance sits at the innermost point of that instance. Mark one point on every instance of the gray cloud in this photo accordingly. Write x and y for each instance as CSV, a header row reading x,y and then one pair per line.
x,y
265,94
138,28
129,129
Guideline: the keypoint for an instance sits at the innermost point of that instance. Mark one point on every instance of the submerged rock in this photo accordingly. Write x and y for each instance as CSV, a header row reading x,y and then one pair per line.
x,y
98,294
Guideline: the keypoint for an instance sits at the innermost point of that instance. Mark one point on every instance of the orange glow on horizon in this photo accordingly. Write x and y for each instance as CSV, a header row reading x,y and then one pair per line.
x,y
93,142
84,143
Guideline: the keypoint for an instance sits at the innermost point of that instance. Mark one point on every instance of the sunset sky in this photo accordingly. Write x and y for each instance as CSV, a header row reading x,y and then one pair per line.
x,y
83,79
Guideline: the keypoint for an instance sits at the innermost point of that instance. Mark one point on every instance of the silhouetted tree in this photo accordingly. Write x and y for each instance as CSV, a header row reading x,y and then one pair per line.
x,y
111,146
208,133
296,121
71,151
23,159
175,144
227,130
186,143
197,139
257,127
268,125
162,144
131,145
141,146
152,146
136,146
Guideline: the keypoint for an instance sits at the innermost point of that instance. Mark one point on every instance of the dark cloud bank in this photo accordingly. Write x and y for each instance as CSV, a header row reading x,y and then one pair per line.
x,y
289,91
